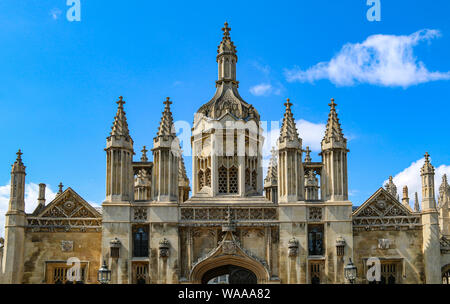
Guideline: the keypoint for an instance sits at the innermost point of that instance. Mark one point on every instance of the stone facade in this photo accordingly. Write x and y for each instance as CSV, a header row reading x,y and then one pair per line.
x,y
295,226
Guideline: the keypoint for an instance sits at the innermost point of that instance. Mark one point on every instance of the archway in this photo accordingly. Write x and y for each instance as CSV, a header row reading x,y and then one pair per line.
x,y
241,264
234,275
238,262
446,274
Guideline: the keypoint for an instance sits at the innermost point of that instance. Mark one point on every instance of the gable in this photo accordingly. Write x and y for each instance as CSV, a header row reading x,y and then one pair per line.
x,y
383,211
69,205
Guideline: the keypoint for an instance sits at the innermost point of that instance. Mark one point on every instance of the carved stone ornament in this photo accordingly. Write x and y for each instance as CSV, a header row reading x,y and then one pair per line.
x,y
340,242
66,246
140,214
315,214
164,248
229,247
293,247
115,243
384,243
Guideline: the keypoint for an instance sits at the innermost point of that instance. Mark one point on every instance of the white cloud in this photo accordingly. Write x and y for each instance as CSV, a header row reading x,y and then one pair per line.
x,y
311,133
55,13
262,89
385,60
269,86
411,177
31,195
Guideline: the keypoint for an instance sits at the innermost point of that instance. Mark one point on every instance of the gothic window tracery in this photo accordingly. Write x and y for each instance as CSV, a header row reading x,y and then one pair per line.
x,y
228,180
315,240
140,241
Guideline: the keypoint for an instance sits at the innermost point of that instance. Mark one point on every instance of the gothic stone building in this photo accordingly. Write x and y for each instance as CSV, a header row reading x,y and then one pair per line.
x,y
295,226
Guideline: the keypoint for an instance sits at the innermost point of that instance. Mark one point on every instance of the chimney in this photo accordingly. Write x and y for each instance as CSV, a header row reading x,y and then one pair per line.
x,y
41,197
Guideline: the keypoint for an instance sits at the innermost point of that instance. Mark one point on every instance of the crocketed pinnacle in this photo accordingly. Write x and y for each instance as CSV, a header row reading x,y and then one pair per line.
x,y
60,187
427,166
144,157
182,176
308,155
120,125
272,170
444,188
288,128
166,127
18,165
226,46
391,187
416,203
333,129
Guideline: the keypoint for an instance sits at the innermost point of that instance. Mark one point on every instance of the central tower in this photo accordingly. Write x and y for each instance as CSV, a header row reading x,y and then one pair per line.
x,y
226,137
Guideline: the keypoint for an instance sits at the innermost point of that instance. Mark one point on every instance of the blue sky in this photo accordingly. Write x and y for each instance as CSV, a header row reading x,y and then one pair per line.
x,y
60,80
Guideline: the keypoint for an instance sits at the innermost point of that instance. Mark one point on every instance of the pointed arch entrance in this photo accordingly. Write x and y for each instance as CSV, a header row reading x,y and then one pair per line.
x,y
234,275
230,258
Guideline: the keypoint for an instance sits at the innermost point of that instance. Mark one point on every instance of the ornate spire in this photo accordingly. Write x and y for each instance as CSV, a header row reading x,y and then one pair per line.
x,y
391,187
288,128
120,125
166,127
416,203
307,155
427,166
272,171
18,165
333,128
144,157
227,99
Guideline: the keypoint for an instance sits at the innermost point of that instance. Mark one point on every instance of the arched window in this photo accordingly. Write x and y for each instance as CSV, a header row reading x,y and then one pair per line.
x,y
223,180
233,180
228,180
446,274
201,180
140,241
208,177
254,179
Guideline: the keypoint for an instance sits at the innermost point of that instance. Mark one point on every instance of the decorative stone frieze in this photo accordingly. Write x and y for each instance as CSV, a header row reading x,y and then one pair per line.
x,y
219,214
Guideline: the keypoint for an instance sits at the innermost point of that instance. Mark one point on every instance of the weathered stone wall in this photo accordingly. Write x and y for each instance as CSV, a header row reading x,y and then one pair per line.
x,y
41,247
164,270
405,245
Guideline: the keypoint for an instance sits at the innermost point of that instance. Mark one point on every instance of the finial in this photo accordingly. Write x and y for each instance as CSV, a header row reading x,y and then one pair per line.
x,y
226,31
427,157
60,186
144,154
19,155
167,102
307,155
332,104
288,103
120,102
